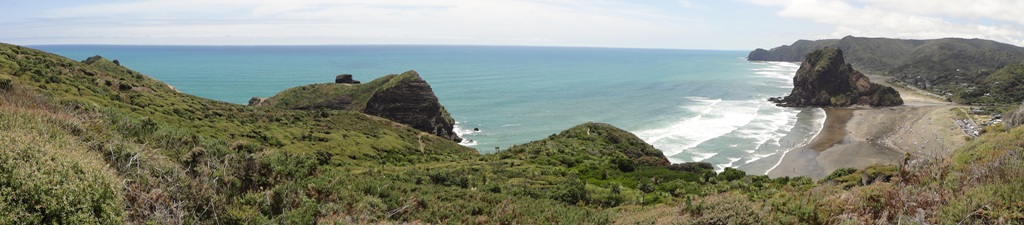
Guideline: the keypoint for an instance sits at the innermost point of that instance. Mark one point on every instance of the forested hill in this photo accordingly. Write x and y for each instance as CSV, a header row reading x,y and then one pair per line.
x,y
959,69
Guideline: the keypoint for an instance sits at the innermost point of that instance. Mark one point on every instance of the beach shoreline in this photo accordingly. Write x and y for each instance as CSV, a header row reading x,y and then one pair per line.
x,y
858,137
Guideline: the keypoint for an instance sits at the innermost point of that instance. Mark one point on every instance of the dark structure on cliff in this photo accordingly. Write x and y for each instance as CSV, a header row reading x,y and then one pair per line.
x,y
825,79
345,79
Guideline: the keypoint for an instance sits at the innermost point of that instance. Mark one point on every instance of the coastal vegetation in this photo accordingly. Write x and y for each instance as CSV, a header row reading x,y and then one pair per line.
x,y
94,142
960,70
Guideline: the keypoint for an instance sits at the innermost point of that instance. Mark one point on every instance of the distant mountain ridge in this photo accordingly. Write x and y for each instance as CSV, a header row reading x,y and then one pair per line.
x,y
954,67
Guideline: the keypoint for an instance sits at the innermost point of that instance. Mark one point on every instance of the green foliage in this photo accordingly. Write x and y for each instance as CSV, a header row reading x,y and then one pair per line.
x,y
987,204
1006,85
885,96
5,84
726,208
693,167
730,174
48,177
624,164
839,173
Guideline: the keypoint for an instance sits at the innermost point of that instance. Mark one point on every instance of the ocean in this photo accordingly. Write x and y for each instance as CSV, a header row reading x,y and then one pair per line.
x,y
694,105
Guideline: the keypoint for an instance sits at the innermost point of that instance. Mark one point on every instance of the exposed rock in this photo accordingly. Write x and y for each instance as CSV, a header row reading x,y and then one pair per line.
x,y
411,101
173,89
345,79
256,101
825,79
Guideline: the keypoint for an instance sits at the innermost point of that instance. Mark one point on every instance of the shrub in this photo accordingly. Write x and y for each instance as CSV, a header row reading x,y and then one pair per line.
x,y
731,174
842,172
572,191
5,84
624,164
725,208
47,176
693,167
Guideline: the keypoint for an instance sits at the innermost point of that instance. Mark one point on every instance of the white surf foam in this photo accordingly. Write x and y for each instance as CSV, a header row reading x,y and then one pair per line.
x,y
715,118
720,168
464,134
701,156
820,122
781,75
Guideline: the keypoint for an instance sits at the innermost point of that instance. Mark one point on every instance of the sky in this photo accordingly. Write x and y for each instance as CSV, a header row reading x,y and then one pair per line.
x,y
674,24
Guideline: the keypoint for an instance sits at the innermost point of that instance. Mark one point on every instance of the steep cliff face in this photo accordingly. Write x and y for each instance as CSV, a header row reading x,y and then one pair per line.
x,y
410,100
404,98
825,79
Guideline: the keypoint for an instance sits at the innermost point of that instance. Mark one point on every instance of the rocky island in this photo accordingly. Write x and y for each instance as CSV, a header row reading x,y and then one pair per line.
x,y
825,79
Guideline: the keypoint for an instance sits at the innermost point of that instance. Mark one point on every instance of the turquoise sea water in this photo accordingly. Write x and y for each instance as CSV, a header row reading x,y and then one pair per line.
x,y
694,105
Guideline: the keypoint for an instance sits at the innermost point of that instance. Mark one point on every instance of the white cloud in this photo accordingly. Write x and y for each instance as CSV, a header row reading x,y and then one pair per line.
x,y
988,19
1005,10
553,22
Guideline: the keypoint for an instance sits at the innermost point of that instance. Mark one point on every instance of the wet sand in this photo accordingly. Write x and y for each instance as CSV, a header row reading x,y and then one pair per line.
x,y
859,137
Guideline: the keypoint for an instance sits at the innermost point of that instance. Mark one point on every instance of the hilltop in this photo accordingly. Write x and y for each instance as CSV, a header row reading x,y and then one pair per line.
x,y
955,68
405,98
94,142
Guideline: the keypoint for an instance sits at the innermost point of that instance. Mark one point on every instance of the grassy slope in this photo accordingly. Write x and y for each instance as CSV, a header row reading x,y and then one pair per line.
x,y
143,153
178,144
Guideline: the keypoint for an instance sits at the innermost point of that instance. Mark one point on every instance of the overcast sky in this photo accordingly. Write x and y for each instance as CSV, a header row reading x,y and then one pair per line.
x,y
680,24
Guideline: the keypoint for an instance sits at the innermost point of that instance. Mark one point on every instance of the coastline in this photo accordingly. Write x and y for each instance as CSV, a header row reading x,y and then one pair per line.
x,y
861,136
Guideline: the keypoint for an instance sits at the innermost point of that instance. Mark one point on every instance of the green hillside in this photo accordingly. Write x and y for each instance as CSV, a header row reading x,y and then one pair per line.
x,y
952,67
96,143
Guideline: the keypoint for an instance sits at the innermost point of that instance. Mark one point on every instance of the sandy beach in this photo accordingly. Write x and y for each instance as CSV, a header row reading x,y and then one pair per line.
x,y
861,136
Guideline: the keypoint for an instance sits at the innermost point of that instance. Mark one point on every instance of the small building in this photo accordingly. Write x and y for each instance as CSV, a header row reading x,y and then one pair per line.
x,y
345,79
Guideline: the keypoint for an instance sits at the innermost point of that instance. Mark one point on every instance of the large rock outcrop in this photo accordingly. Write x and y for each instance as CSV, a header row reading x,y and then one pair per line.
x,y
825,79
404,98
411,101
